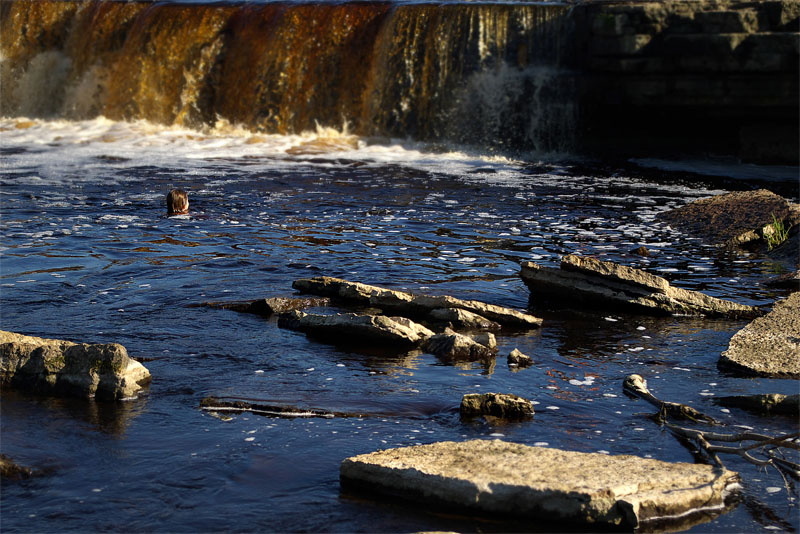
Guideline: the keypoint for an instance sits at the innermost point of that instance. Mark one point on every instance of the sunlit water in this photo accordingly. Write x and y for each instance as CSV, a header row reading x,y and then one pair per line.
x,y
88,254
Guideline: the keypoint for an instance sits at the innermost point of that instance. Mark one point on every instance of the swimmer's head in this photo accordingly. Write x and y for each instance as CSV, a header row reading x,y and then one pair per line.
x,y
177,202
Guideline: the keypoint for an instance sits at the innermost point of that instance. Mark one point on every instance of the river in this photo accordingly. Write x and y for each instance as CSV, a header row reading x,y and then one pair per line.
x,y
89,254
421,146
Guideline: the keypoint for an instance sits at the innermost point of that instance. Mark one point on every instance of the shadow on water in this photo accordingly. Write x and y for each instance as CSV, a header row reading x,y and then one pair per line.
x,y
112,418
457,519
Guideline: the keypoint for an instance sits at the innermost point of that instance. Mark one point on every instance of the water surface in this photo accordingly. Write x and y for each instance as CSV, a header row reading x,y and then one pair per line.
x,y
88,254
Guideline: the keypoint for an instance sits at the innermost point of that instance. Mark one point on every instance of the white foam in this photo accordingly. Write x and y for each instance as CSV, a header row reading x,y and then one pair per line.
x,y
68,151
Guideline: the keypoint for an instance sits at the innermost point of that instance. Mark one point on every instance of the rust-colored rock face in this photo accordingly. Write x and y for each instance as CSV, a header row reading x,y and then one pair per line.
x,y
278,67
637,78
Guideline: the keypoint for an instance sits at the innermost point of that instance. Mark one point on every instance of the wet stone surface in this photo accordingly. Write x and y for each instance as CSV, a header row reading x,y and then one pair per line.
x,y
592,490
769,345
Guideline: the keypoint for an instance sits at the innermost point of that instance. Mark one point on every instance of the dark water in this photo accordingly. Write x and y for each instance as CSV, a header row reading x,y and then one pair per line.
x,y
88,254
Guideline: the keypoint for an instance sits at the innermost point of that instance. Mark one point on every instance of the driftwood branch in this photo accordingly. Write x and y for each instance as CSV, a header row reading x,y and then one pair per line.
x,y
770,446
636,385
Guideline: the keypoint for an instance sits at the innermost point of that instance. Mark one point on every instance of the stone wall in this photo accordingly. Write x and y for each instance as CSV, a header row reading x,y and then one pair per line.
x,y
715,76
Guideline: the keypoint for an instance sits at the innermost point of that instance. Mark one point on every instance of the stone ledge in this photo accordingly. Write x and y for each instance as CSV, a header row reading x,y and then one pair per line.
x,y
542,484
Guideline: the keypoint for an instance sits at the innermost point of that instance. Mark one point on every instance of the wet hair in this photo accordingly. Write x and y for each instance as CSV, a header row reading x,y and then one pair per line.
x,y
177,201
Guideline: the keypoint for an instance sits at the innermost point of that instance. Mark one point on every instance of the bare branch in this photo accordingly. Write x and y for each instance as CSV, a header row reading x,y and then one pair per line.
x,y
636,385
770,446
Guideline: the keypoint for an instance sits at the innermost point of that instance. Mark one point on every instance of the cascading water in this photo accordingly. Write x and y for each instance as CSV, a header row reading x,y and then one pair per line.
x,y
485,75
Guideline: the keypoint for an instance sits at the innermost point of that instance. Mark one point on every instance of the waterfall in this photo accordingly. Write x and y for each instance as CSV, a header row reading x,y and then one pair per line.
x,y
481,74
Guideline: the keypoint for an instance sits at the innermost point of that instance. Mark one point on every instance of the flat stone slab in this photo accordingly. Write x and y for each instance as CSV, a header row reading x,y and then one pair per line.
x,y
607,285
770,345
357,328
407,304
53,366
217,405
497,477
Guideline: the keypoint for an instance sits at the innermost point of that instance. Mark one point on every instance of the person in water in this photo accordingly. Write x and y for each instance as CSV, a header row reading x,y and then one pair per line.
x,y
177,202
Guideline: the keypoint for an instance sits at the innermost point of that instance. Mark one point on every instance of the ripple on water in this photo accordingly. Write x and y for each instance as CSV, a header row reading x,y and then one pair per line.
x,y
262,219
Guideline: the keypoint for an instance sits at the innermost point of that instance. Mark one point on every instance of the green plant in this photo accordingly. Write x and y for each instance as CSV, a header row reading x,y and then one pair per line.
x,y
775,233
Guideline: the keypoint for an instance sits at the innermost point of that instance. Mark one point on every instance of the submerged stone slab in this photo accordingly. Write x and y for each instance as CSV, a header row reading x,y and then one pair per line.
x,y
785,281
356,328
216,405
608,285
269,306
407,304
53,366
767,403
496,477
10,470
770,345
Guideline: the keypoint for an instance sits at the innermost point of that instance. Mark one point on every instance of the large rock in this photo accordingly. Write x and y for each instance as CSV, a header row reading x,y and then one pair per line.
x,y
357,328
769,345
454,347
734,218
519,359
590,489
402,303
608,285
53,366
499,405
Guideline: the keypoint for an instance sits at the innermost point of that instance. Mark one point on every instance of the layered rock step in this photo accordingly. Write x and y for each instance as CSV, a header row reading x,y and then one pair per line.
x,y
434,308
399,333
611,286
53,366
542,484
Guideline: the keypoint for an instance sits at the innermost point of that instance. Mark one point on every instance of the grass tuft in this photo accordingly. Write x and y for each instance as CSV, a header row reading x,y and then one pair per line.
x,y
776,233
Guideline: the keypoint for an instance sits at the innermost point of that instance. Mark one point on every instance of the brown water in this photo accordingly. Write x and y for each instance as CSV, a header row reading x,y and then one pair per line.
x,y
384,68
